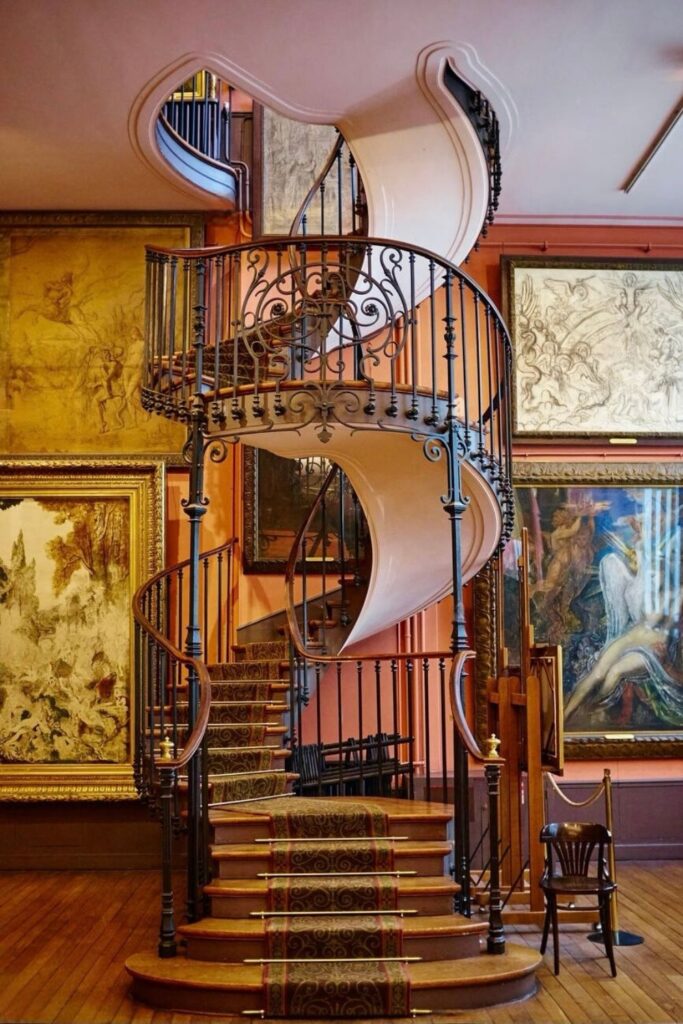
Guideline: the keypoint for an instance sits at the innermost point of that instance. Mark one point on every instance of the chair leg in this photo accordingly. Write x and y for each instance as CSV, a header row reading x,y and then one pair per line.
x,y
546,926
606,918
556,935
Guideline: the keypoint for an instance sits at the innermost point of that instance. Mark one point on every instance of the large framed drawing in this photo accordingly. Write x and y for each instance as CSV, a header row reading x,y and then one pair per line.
x,y
598,346
76,540
606,583
72,296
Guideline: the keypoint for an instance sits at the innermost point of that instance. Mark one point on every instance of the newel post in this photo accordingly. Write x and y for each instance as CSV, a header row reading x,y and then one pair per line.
x,y
495,942
167,943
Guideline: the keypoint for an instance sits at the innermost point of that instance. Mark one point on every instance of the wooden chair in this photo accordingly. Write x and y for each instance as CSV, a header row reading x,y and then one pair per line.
x,y
568,862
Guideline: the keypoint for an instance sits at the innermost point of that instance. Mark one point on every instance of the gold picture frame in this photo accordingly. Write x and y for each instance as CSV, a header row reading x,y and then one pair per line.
x,y
76,540
72,307
614,606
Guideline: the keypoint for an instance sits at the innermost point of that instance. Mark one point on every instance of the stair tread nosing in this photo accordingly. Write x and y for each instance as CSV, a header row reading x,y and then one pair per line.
x,y
481,970
425,884
261,851
414,925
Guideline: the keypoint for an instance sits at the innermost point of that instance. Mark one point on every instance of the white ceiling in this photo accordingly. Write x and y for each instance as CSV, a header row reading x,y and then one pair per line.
x,y
582,87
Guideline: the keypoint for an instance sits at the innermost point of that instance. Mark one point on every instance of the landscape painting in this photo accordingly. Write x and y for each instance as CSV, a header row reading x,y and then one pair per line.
x,y
606,564
597,346
71,550
72,303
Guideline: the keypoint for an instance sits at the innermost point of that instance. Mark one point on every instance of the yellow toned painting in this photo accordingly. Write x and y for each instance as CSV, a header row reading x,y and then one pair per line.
x,y
64,630
76,540
71,339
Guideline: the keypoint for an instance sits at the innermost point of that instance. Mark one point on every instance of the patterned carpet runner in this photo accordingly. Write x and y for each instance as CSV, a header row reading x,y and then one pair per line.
x,y
337,938
335,962
337,990
293,895
245,726
361,855
331,963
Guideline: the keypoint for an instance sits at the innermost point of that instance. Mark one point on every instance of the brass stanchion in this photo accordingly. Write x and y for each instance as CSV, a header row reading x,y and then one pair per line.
x,y
619,938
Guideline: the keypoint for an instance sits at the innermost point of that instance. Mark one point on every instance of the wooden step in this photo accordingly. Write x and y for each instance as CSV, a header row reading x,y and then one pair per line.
x,y
243,896
446,937
198,986
248,860
416,819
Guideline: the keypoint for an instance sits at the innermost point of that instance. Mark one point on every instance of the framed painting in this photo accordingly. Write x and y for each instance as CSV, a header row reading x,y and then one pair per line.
x,y
597,346
72,306
278,493
76,540
606,583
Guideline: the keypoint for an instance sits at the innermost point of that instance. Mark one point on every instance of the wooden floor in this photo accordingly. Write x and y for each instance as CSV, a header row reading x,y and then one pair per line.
x,y
64,937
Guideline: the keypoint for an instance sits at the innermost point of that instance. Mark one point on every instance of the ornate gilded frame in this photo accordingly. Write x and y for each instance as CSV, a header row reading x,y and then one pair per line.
x,y
489,609
72,291
591,339
133,485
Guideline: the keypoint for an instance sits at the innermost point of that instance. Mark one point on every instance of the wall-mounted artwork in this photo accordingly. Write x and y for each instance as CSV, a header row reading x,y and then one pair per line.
x,y
72,298
278,493
606,582
76,540
598,346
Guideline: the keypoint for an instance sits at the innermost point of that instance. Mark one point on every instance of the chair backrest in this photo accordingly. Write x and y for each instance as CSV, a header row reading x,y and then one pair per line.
x,y
573,843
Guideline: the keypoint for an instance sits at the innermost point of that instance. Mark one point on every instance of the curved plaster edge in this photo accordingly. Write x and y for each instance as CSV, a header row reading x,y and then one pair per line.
x,y
149,101
466,63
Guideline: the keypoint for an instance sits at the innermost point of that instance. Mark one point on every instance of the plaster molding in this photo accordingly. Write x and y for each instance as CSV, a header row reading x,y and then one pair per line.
x,y
147,105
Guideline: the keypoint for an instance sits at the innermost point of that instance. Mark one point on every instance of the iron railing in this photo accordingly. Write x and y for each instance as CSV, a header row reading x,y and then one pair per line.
x,y
200,114
335,203
329,566
173,700
333,332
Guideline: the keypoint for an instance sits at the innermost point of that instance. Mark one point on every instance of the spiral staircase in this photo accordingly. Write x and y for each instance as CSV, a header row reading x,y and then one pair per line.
x,y
395,365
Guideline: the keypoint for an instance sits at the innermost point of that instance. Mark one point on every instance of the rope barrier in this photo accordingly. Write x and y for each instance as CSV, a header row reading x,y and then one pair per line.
x,y
595,795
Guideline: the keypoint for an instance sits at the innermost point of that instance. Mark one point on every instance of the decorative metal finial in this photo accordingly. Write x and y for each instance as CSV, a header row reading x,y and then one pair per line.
x,y
493,743
166,748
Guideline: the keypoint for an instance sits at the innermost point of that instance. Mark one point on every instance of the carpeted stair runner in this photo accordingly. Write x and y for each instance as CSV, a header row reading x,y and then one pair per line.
x,y
341,963
332,894
355,857
245,725
338,938
337,990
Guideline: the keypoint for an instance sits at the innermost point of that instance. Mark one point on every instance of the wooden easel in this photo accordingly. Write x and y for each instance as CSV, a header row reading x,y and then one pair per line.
x,y
525,711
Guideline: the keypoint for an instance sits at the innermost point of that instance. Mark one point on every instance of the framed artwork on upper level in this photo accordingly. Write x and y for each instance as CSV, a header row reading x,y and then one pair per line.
x,y
72,309
597,346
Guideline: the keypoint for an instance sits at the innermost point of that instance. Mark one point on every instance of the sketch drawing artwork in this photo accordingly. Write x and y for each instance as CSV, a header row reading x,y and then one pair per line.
x,y
65,633
597,349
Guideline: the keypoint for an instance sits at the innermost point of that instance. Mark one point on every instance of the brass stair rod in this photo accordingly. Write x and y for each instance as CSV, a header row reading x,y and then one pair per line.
x,y
335,839
337,874
341,960
330,913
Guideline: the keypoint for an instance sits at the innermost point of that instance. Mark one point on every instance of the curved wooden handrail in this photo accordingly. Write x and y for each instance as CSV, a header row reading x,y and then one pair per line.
x,y
327,167
457,706
199,728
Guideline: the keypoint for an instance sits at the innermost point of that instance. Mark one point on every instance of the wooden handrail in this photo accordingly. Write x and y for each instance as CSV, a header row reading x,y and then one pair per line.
x,y
199,728
457,707
327,167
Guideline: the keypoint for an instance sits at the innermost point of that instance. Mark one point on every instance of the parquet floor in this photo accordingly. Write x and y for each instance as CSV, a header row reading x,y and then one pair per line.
x,y
64,937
